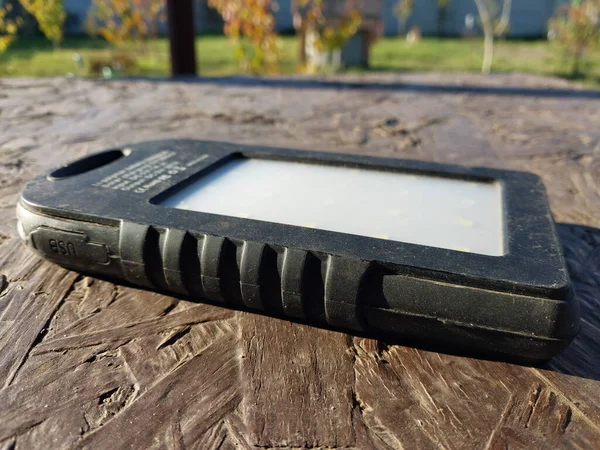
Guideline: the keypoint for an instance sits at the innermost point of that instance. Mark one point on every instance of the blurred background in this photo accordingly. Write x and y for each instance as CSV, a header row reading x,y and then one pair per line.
x,y
118,38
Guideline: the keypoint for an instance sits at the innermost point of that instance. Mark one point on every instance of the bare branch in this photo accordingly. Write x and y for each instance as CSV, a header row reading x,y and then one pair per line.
x,y
488,35
484,13
504,21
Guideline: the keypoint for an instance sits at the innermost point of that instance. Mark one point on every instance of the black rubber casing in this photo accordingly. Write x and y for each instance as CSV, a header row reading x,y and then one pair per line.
x,y
100,215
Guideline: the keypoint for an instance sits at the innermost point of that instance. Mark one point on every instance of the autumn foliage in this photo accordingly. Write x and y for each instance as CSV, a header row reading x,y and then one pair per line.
x,y
50,16
8,27
332,22
120,21
250,24
575,28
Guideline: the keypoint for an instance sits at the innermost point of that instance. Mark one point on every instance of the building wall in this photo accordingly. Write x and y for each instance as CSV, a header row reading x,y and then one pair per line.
x,y
284,16
528,17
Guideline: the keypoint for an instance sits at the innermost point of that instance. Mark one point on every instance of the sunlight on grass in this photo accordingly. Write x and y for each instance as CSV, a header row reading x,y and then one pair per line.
x,y
464,55
36,58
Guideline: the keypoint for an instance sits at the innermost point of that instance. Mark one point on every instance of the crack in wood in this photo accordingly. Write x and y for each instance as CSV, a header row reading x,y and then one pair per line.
x,y
565,419
10,444
105,396
174,337
531,404
86,428
107,406
382,350
357,403
3,285
574,407
169,308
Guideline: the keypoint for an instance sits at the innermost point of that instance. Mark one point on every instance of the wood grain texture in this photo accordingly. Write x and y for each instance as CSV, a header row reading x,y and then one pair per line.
x,y
85,363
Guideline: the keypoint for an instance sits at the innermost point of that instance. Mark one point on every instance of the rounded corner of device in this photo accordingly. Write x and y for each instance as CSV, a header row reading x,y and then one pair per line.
x,y
552,348
570,319
563,323
22,212
24,217
25,221
531,176
26,209
542,349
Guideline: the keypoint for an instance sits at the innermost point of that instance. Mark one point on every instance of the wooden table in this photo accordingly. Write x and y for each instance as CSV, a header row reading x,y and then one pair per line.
x,y
86,363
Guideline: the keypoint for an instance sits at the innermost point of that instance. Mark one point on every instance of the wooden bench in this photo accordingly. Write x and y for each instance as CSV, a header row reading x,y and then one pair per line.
x,y
87,363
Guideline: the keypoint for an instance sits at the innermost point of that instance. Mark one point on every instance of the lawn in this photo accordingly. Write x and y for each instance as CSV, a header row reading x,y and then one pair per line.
x,y
37,58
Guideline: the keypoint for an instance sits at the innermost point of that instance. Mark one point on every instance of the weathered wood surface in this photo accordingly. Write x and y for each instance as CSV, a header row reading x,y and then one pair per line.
x,y
85,363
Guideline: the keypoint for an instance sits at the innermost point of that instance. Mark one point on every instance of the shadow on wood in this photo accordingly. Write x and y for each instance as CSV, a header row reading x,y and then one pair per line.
x,y
582,252
421,87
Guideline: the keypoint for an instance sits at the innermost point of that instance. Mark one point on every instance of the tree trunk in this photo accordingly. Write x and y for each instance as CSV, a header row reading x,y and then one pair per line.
x,y
182,37
488,33
488,50
489,30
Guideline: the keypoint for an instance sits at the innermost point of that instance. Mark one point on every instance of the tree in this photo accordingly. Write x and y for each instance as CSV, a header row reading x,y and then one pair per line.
x,y
576,27
493,25
250,24
327,26
50,16
119,21
403,11
8,26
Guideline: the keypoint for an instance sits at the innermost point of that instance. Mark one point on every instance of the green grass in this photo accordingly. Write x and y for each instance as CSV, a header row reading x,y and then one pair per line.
x,y
36,57
448,55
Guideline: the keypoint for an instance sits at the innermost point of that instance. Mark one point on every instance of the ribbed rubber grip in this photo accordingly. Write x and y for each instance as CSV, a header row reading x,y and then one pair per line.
x,y
282,281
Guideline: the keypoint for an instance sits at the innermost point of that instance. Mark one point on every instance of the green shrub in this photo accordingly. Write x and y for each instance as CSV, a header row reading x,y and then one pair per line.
x,y
575,28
